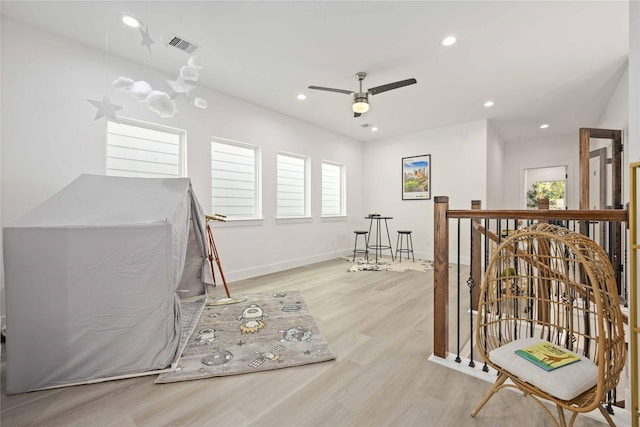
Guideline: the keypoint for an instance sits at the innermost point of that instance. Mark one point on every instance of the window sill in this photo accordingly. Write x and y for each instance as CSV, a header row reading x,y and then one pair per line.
x,y
238,222
294,220
330,218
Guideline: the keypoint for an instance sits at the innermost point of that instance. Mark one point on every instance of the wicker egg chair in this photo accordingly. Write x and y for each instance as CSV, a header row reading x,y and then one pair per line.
x,y
548,284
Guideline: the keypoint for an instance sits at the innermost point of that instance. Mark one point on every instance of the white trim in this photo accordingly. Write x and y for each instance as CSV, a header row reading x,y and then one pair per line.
x,y
233,276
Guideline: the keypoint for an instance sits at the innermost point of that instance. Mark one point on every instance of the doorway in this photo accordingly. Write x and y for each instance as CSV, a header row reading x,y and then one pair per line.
x,y
546,182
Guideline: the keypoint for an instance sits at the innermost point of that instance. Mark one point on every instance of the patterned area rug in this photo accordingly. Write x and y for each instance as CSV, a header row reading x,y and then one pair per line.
x,y
385,264
251,333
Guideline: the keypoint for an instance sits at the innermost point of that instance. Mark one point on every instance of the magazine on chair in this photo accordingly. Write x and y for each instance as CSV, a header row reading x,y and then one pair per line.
x,y
548,356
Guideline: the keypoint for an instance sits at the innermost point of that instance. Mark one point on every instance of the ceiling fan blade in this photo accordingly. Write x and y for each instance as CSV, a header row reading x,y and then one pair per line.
x,y
357,114
330,89
389,86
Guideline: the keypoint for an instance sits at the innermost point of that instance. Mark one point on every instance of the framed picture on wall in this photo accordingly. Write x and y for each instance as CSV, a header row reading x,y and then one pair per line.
x,y
416,177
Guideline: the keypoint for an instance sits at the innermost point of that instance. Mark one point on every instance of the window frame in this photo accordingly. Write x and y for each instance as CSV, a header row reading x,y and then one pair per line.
x,y
257,171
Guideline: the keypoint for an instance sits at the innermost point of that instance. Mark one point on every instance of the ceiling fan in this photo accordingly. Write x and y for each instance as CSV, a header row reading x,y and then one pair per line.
x,y
360,98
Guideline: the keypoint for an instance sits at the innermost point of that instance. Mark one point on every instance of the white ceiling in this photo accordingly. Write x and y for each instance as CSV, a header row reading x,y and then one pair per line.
x,y
555,62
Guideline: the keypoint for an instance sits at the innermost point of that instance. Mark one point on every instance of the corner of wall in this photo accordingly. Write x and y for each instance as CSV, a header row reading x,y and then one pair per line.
x,y
633,140
494,158
2,307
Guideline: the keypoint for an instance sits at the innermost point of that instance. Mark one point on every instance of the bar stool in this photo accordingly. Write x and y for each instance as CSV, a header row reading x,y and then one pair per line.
x,y
364,251
408,244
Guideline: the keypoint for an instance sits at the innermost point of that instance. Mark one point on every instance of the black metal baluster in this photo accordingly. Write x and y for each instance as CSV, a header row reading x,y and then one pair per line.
x,y
458,359
470,284
611,395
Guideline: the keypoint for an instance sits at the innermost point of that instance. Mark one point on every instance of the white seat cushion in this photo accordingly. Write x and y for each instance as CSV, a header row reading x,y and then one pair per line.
x,y
565,382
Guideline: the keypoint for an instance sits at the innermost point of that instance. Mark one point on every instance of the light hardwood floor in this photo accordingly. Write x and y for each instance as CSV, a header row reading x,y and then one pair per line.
x,y
379,325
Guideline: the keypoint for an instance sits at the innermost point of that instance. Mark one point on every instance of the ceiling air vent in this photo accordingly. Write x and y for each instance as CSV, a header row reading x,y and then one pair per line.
x,y
182,44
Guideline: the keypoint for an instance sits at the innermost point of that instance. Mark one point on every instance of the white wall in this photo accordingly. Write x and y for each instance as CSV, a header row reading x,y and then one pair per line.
x,y
634,115
540,153
557,151
2,304
495,170
50,137
634,81
458,170
616,116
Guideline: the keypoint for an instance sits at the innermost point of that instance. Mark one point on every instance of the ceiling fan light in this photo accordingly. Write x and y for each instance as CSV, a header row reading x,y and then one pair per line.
x,y
360,104
360,107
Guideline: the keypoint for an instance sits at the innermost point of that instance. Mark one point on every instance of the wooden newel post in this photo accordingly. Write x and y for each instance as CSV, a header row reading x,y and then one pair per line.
x,y
440,277
543,205
476,258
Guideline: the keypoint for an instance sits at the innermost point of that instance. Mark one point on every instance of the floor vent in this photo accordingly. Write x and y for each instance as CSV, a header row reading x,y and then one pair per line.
x,y
182,44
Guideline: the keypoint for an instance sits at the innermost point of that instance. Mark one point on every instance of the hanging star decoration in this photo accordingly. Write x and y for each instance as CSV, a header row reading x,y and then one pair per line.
x,y
146,39
106,109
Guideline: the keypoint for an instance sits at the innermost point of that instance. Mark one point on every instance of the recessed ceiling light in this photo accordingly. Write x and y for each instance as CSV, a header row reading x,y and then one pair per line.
x,y
544,126
374,129
302,97
131,21
448,41
488,104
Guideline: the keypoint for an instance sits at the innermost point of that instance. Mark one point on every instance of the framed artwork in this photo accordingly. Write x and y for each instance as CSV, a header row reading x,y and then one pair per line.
x,y
416,177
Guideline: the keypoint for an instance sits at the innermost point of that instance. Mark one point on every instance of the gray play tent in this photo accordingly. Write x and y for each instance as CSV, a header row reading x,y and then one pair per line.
x,y
95,278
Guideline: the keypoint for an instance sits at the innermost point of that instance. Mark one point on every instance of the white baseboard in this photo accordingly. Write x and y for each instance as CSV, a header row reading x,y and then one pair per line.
x,y
233,276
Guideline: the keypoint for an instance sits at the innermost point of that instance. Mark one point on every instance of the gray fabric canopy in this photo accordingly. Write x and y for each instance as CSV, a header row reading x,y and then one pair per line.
x,y
93,279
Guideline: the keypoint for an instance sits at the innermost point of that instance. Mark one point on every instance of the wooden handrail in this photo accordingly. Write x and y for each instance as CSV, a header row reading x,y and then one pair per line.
x,y
619,215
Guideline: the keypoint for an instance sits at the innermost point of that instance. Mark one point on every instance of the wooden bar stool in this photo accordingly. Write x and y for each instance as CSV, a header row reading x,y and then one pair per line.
x,y
364,251
407,248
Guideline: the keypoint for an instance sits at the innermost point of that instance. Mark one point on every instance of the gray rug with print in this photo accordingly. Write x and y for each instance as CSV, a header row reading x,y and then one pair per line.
x,y
385,263
250,333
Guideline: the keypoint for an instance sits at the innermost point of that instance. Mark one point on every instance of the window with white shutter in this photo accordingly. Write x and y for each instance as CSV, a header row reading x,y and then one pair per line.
x,y
292,183
333,200
138,149
235,172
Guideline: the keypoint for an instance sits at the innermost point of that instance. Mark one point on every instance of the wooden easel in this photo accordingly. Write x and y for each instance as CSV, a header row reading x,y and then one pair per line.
x,y
213,252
